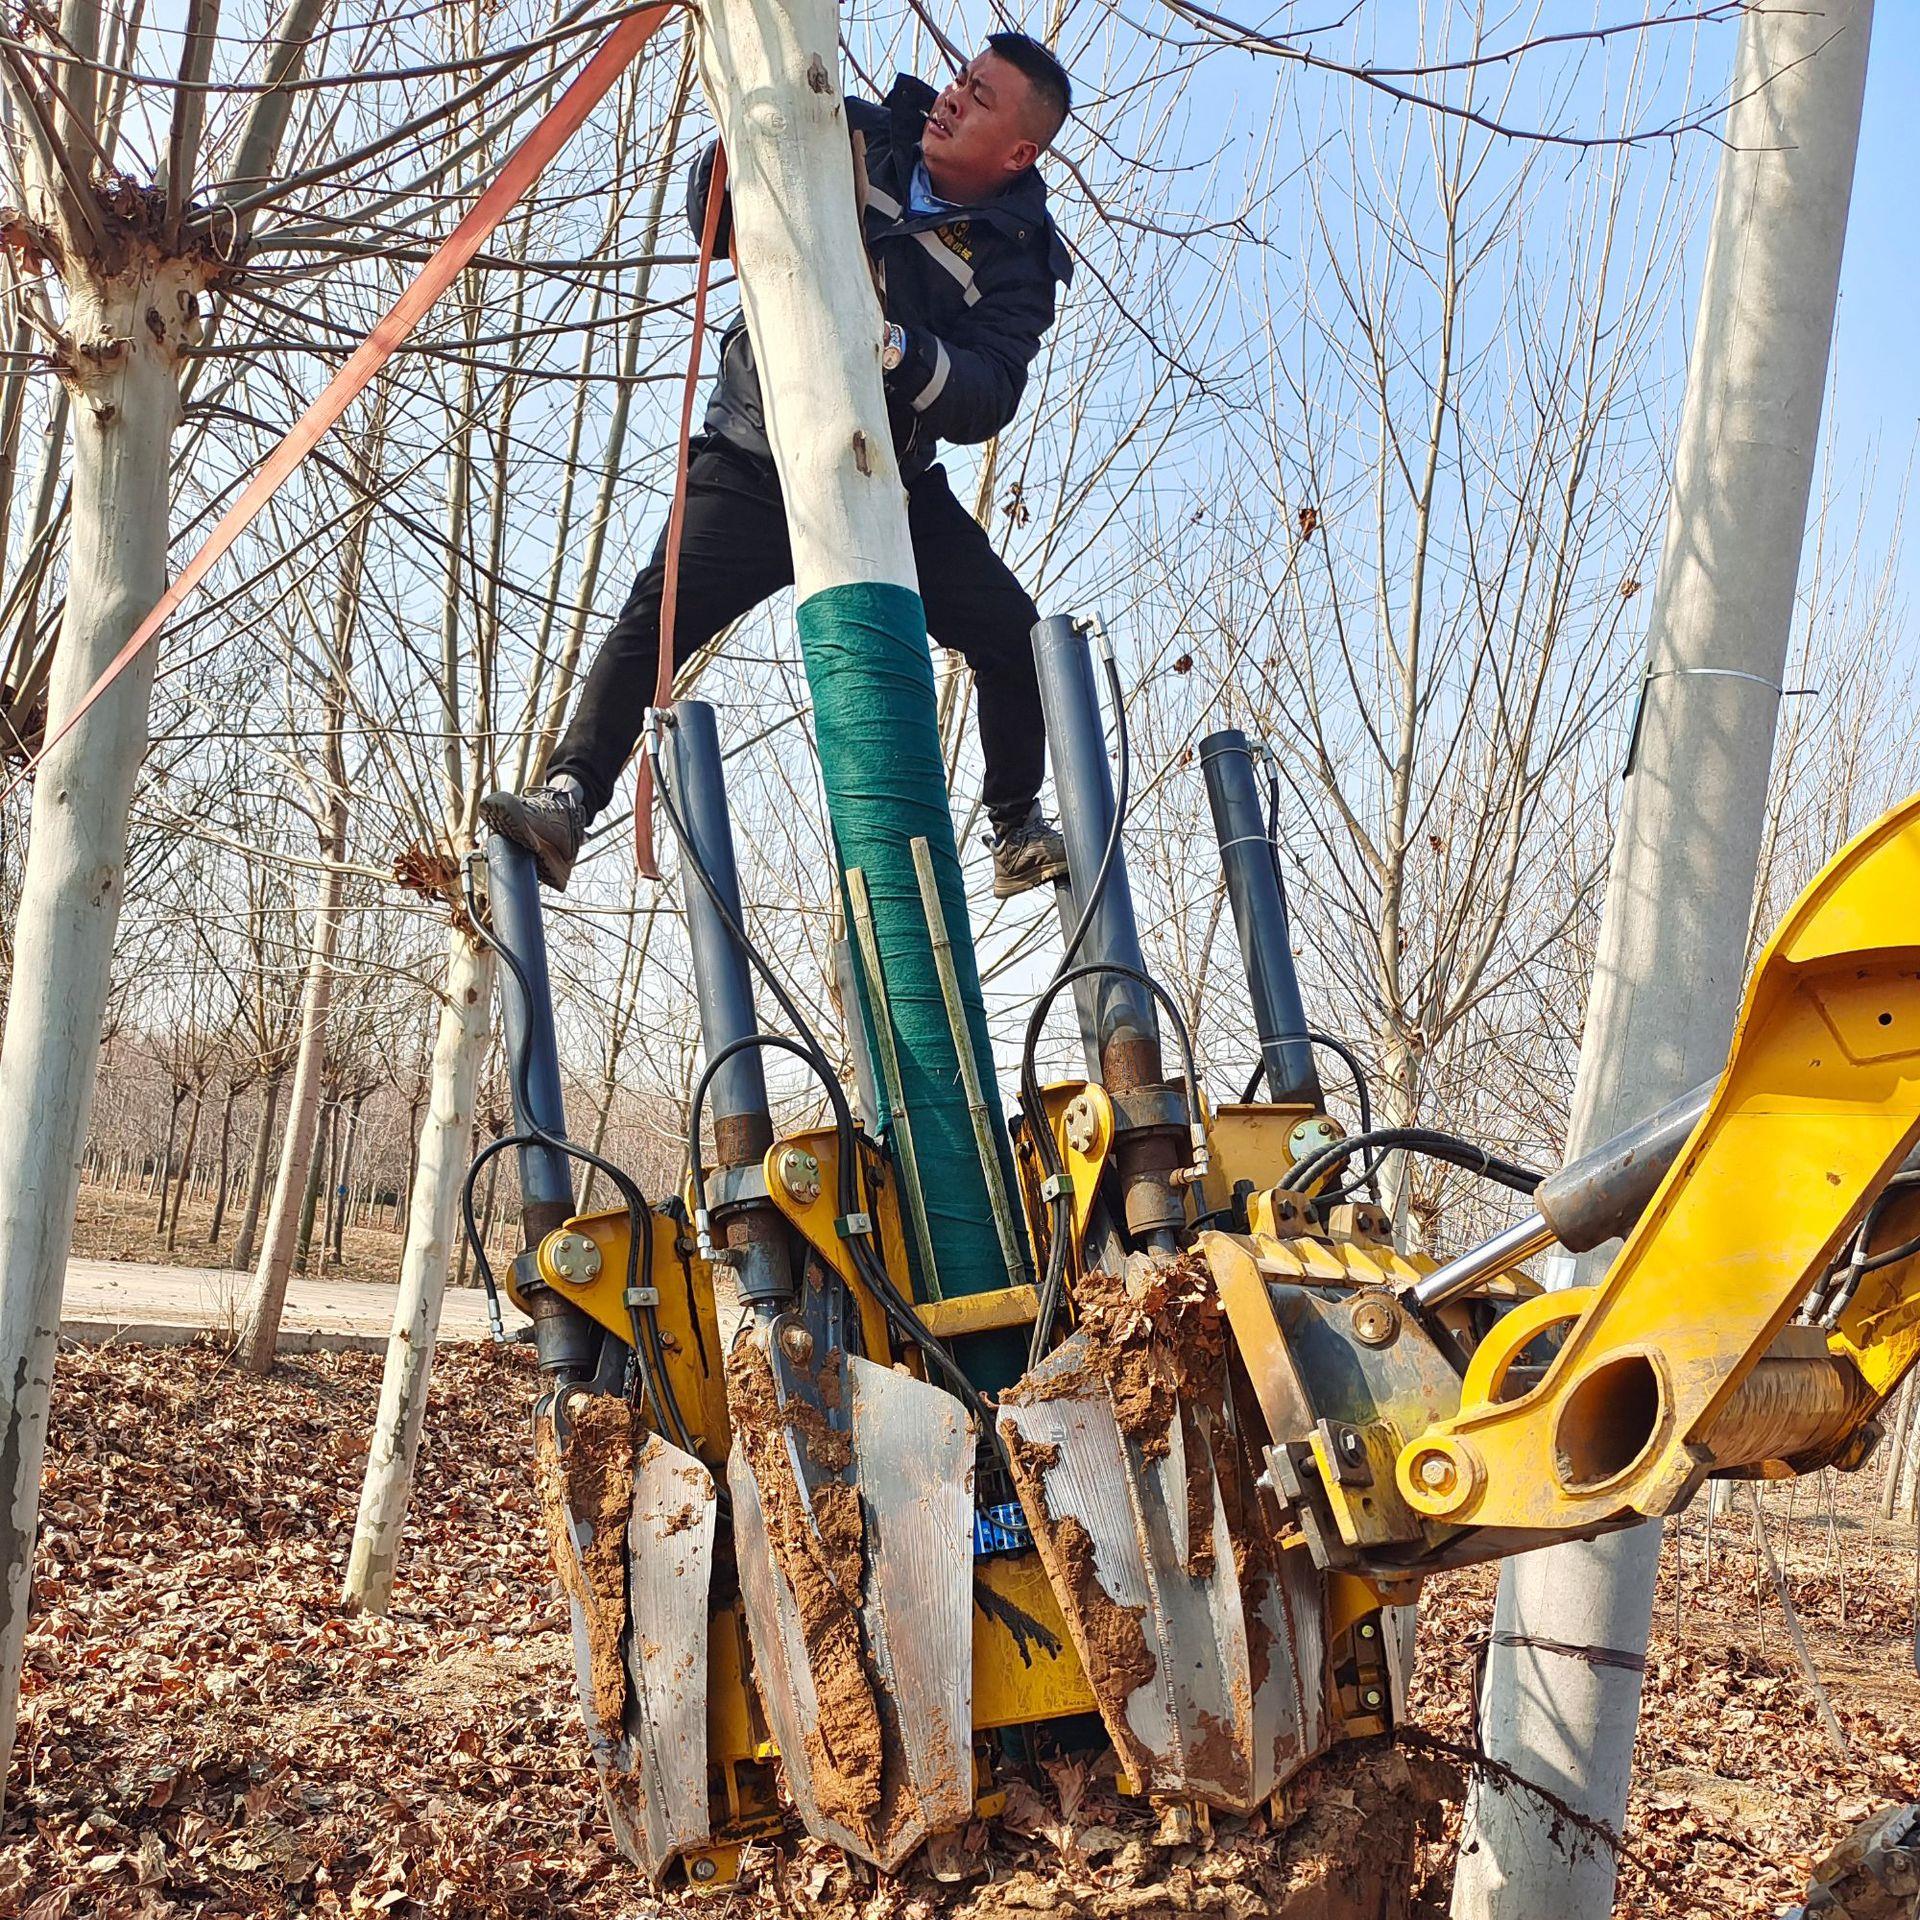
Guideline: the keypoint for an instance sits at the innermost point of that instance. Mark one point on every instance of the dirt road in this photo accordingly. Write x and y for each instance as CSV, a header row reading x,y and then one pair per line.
x,y
168,1306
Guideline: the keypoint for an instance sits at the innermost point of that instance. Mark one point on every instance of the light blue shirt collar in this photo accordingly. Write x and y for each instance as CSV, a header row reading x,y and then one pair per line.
x,y
921,198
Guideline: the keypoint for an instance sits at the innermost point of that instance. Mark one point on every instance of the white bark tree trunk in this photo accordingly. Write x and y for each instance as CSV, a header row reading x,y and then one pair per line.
x,y
124,374
1561,1695
432,1220
816,329
267,1298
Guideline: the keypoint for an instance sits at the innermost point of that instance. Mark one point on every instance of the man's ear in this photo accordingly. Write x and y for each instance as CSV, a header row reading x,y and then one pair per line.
x,y
1024,154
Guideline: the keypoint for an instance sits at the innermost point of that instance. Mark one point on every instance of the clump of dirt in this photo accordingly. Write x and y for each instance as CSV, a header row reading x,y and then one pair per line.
x,y
590,1478
1155,1337
1109,1637
821,1560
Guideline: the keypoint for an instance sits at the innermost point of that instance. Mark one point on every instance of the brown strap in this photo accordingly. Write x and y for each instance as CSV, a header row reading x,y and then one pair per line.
x,y
643,852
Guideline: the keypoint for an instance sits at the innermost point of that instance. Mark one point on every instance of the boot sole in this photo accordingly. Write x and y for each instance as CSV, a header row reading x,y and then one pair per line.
x,y
554,870
1010,886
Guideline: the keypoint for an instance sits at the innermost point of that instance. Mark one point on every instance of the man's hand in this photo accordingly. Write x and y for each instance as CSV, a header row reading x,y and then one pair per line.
x,y
859,142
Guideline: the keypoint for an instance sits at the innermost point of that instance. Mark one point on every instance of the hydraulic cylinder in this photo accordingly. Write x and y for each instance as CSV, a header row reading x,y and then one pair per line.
x,y
1259,907
744,1219
565,1338
1150,1115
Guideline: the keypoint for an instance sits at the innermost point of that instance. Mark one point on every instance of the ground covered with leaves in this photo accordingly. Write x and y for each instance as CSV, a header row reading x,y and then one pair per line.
x,y
206,1731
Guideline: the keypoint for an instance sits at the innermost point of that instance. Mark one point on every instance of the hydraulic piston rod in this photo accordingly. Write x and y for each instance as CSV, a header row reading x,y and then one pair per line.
x,y
1259,918
743,1218
1585,1203
566,1339
1152,1121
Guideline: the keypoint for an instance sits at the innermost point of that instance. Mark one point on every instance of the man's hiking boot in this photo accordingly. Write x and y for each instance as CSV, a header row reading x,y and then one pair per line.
x,y
549,822
1028,855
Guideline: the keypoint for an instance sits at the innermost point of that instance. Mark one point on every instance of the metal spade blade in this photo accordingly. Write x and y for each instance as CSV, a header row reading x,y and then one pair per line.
x,y
1133,1530
632,1525
913,1448
869,1692
669,1575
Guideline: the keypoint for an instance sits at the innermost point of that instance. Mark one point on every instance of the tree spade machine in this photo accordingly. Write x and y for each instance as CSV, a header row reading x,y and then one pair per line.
x,y
849,1526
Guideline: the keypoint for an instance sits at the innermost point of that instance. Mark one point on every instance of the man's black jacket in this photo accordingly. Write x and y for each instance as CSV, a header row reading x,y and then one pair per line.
x,y
973,288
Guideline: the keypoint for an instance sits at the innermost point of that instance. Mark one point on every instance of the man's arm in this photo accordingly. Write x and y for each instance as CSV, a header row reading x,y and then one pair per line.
x,y
699,181
862,117
965,385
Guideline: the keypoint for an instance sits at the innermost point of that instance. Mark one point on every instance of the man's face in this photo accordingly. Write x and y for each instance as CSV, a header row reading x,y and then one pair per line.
x,y
980,129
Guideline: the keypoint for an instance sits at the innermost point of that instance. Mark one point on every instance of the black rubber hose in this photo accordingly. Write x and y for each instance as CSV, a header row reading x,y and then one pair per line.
x,y
872,1272
644,1327
1424,1140
1362,1092
1054,1281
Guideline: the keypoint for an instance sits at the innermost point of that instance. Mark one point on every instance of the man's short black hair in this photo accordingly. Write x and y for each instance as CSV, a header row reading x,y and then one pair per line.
x,y
1045,75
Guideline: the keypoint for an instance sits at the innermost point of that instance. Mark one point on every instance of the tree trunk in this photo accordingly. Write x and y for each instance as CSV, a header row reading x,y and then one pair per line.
x,y
268,1296
257,1173
403,1212
317,1179
226,1166
126,331
816,329
458,1050
1673,937
163,1180
344,1185
186,1169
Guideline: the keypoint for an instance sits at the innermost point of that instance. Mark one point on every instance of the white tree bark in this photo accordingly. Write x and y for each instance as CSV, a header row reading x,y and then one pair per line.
x,y
816,330
124,374
267,1297
1562,1691
432,1221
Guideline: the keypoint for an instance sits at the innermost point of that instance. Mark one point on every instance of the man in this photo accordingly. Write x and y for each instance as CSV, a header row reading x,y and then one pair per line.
x,y
958,233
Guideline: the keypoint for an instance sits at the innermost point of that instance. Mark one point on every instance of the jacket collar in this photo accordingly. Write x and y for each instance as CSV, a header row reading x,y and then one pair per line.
x,y
1019,209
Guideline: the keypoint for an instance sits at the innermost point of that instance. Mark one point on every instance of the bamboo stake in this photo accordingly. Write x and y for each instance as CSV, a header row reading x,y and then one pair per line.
x,y
864,932
977,1110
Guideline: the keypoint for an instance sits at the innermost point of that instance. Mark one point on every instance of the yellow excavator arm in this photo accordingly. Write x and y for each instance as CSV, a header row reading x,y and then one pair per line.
x,y
1759,1312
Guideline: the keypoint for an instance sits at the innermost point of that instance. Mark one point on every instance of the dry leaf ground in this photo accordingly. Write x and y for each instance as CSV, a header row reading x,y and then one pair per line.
x,y
205,1731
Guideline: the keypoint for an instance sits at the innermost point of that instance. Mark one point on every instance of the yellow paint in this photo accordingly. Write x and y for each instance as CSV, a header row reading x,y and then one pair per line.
x,y
1819,1102
1009,1690
1248,1142
735,1730
685,1313
969,1313
1349,1600
814,1220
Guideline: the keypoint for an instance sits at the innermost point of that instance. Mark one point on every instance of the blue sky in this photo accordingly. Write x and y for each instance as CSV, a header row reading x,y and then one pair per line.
x,y
1876,388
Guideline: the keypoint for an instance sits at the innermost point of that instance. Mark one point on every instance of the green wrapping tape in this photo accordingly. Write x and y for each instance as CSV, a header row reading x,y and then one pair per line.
x,y
865,649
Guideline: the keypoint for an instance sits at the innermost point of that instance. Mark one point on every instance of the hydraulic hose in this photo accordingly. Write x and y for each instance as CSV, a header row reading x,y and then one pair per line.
x,y
649,1357
1424,1140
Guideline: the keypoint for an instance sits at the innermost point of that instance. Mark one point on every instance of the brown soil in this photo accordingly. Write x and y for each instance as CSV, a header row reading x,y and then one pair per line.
x,y
846,1746
593,1480
1108,1637
206,1733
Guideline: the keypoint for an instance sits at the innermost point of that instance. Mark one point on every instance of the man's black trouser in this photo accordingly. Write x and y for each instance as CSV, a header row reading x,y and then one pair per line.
x,y
734,554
